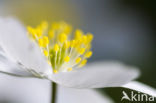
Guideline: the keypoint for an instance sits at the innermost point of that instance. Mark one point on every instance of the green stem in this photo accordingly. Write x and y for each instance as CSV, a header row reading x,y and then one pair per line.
x,y
54,92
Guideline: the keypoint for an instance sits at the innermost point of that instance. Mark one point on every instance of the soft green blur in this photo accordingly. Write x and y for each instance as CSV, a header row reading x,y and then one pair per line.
x,y
32,12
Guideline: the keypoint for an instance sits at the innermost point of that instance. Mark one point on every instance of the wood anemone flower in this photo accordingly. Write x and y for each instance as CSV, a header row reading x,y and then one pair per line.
x,y
57,55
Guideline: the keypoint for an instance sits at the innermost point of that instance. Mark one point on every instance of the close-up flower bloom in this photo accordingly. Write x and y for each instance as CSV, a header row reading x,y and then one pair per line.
x,y
27,55
57,55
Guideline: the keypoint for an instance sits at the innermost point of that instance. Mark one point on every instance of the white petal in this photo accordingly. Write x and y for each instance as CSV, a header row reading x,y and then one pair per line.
x,y
70,95
97,75
14,40
19,90
8,66
141,87
23,90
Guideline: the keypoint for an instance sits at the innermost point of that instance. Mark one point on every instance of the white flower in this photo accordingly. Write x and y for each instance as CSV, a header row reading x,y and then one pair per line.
x,y
20,54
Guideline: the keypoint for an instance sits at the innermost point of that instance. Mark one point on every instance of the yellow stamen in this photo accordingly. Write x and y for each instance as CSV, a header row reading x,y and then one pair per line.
x,y
83,63
88,54
78,34
69,69
84,38
40,42
62,37
78,60
45,41
89,37
56,47
38,32
81,50
55,71
67,59
32,32
51,34
62,51
46,53
72,43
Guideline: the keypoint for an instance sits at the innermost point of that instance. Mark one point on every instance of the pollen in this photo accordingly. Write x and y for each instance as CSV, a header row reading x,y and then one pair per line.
x,y
45,40
62,37
51,34
78,60
72,43
56,47
55,71
69,69
64,49
81,50
83,63
46,53
88,54
67,59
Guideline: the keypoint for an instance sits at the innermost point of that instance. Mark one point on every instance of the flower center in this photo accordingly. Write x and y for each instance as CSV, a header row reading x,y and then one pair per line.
x,y
62,50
